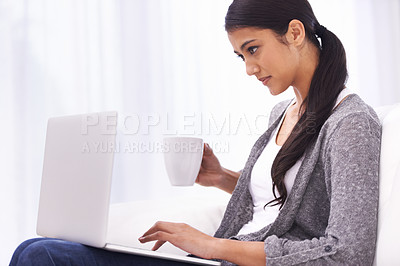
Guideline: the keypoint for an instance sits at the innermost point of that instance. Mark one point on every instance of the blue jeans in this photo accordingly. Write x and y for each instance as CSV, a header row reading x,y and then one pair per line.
x,y
48,251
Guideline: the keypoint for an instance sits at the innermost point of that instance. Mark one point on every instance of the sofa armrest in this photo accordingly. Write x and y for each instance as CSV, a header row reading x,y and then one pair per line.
x,y
389,188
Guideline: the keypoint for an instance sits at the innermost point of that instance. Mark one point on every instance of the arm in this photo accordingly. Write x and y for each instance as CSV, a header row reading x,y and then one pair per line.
x,y
212,174
202,245
205,246
228,180
241,252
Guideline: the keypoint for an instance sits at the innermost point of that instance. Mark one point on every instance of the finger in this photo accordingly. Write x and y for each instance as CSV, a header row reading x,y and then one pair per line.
x,y
158,244
199,175
159,236
159,226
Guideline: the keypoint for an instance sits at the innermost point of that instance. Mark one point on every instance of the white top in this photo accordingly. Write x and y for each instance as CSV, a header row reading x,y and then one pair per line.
x,y
261,181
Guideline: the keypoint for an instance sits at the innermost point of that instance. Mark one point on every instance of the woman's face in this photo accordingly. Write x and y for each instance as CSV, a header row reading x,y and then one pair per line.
x,y
271,58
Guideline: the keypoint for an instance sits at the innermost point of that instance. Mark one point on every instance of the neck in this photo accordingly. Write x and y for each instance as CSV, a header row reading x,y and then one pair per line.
x,y
309,59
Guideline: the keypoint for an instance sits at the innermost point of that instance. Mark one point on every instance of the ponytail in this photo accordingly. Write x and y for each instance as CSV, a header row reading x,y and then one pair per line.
x,y
327,83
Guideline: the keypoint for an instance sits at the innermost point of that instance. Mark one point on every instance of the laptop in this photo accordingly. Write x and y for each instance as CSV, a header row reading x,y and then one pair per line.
x,y
76,184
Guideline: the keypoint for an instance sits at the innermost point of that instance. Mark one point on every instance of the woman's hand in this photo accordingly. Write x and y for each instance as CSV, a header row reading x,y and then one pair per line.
x,y
212,174
182,236
199,244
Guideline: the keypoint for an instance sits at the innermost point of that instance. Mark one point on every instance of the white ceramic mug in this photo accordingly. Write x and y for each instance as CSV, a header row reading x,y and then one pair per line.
x,y
182,158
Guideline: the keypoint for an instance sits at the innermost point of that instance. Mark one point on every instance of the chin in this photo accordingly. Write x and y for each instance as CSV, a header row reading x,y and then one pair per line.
x,y
274,92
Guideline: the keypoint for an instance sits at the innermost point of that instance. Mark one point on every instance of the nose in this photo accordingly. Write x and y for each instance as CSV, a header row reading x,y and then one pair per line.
x,y
251,68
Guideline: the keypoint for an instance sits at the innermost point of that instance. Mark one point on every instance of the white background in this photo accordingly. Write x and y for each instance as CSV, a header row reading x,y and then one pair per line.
x,y
166,62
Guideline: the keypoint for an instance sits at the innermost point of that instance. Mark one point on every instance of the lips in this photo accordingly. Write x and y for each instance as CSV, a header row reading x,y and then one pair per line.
x,y
265,80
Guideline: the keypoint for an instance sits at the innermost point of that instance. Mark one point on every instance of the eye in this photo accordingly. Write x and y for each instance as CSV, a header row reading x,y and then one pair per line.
x,y
240,56
252,49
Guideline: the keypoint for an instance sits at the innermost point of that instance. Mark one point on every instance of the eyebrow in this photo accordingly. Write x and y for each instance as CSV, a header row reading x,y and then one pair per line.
x,y
244,44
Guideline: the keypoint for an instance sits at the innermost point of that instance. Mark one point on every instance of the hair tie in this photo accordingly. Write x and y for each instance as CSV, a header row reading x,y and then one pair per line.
x,y
320,31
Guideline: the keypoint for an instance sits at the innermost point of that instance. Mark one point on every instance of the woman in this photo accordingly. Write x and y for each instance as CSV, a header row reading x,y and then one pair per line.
x,y
309,190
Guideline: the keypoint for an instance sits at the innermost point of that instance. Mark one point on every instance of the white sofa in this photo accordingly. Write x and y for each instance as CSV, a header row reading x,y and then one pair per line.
x,y
205,213
387,249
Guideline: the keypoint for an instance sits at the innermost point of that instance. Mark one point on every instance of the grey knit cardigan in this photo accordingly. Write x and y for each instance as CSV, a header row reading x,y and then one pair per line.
x,y
330,216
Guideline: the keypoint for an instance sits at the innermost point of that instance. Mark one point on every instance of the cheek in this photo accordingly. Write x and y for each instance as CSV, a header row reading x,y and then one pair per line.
x,y
282,67
277,61
285,66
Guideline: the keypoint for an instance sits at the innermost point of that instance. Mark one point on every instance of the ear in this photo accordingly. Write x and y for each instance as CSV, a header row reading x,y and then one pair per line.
x,y
296,32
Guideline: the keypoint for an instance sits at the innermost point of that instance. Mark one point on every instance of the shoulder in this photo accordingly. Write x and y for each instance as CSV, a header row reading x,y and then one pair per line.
x,y
353,108
352,120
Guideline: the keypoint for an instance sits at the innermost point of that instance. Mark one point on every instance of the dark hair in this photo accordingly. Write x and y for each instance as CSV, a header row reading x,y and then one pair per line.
x,y
328,80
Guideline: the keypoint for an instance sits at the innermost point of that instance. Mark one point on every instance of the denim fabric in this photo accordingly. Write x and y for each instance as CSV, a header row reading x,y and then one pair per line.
x,y
48,251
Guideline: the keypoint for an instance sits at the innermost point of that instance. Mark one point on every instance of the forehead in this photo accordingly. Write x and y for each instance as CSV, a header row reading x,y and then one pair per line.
x,y
242,35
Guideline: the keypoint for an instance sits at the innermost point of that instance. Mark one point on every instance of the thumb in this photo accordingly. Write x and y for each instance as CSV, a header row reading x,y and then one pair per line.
x,y
207,149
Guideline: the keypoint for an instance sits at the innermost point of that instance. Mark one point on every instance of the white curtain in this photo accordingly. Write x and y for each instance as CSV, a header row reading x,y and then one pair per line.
x,y
370,32
166,63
